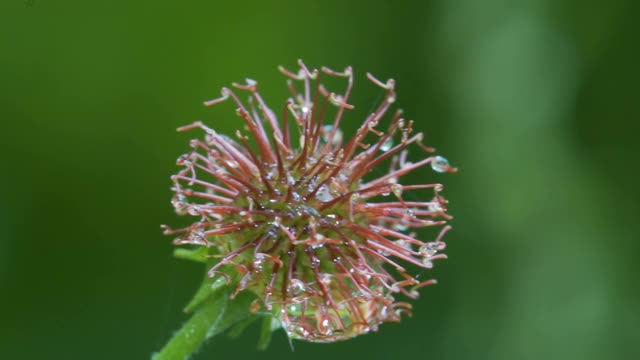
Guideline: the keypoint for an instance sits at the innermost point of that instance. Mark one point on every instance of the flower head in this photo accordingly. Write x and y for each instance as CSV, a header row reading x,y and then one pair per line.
x,y
299,218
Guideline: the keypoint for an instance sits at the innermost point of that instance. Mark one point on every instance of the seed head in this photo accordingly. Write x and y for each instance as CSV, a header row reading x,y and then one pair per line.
x,y
299,219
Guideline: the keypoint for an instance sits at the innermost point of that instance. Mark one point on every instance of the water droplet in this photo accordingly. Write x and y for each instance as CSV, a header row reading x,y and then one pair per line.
x,y
384,312
400,227
307,210
405,244
194,210
326,279
435,207
183,160
180,206
316,241
325,327
323,194
290,179
295,196
383,253
440,164
296,287
269,175
259,260
193,238
387,145
337,136
429,249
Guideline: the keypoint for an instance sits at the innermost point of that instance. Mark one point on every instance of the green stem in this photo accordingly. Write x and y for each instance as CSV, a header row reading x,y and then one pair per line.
x,y
211,317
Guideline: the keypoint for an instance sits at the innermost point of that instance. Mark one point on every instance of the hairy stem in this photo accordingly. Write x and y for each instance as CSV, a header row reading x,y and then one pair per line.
x,y
211,317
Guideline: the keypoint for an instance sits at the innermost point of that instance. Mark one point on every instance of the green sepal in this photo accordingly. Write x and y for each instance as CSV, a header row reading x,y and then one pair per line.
x,y
208,287
198,254
209,284
236,310
265,333
241,326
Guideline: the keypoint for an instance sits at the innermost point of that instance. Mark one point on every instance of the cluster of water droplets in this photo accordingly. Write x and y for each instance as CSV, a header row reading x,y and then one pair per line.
x,y
195,237
429,251
309,318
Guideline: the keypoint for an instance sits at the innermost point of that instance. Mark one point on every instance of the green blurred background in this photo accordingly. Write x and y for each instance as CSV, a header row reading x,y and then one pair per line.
x,y
536,102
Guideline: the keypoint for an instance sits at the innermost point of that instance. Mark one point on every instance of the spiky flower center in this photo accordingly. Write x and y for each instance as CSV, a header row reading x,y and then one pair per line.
x,y
295,220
